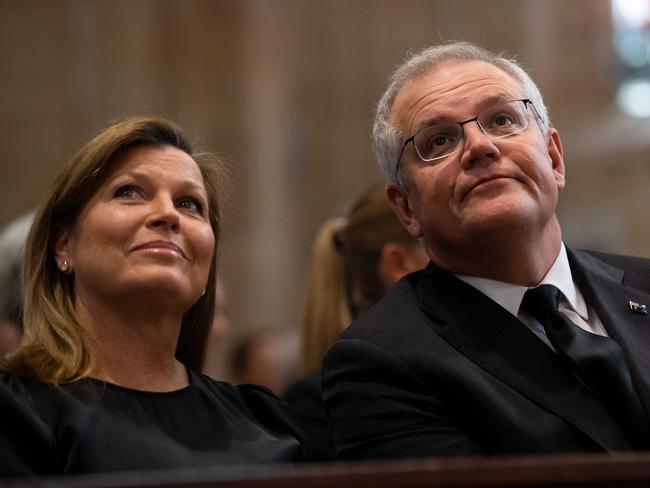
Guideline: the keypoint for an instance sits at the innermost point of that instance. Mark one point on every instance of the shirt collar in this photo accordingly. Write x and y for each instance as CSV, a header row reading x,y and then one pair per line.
x,y
509,296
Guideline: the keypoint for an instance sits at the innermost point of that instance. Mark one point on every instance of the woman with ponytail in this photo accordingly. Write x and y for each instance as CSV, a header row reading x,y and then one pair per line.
x,y
355,261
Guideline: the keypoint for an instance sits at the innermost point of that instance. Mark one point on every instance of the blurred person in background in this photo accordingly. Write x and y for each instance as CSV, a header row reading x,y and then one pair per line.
x,y
266,357
355,261
120,277
12,251
220,332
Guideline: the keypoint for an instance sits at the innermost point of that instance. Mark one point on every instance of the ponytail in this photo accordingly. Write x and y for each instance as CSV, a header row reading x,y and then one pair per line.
x,y
326,311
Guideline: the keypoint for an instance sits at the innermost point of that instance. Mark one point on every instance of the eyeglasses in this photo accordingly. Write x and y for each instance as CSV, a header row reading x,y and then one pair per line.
x,y
441,140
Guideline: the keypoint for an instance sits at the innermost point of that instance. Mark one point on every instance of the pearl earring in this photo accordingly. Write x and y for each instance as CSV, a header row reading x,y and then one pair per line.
x,y
65,266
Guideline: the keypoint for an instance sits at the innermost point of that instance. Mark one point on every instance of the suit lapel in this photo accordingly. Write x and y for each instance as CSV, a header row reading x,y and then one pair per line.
x,y
603,288
499,343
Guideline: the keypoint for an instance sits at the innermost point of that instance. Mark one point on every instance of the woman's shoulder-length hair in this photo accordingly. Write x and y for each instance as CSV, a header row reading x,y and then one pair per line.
x,y
55,347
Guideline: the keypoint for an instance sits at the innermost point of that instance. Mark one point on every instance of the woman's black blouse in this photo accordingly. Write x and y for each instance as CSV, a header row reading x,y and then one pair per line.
x,y
93,426
305,397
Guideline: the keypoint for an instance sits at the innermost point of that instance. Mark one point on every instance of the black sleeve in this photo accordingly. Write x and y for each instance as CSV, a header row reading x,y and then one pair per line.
x,y
378,409
27,445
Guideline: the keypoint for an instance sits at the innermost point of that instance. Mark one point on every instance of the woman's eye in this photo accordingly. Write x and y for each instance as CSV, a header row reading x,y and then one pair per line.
x,y
191,204
125,191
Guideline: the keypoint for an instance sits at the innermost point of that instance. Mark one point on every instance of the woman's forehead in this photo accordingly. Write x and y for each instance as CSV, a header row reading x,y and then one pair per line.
x,y
166,162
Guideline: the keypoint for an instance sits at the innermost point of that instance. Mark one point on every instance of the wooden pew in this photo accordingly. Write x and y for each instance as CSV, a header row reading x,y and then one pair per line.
x,y
557,471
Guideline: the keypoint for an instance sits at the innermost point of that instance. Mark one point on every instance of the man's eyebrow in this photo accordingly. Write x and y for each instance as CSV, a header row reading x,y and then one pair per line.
x,y
480,106
493,100
431,121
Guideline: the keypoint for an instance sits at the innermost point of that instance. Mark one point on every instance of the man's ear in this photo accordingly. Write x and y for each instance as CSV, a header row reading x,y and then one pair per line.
x,y
61,248
399,201
556,154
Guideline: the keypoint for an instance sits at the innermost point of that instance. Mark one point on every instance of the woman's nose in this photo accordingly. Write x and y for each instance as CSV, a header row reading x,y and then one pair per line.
x,y
164,214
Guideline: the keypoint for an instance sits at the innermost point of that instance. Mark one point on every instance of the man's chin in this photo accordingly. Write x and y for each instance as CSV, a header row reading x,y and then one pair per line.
x,y
505,210
506,221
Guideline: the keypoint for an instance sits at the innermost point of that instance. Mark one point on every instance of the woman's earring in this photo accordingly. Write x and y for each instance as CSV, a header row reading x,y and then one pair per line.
x,y
203,292
64,266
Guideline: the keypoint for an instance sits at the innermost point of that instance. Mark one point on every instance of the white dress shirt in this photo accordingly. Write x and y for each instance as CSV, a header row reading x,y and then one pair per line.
x,y
572,303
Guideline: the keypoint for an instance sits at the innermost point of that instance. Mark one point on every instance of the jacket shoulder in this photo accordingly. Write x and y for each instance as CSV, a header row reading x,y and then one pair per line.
x,y
636,269
397,311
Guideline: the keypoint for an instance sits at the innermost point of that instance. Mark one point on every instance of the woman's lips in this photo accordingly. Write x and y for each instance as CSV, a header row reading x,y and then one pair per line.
x,y
161,247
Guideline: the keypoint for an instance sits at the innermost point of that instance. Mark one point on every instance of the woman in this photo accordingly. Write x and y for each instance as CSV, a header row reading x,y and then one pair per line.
x,y
355,261
120,276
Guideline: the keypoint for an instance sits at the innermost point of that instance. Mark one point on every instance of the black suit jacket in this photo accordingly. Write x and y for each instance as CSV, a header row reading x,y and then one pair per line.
x,y
438,368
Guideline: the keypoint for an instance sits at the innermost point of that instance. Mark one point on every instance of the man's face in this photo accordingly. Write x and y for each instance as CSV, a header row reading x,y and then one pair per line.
x,y
491,185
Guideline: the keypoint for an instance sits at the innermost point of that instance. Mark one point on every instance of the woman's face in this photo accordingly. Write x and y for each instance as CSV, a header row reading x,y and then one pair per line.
x,y
144,234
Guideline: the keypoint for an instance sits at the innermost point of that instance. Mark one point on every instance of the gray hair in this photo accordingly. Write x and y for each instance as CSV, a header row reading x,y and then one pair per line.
x,y
386,138
12,250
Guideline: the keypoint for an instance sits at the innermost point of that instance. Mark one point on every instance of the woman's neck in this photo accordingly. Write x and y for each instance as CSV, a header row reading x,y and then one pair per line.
x,y
135,345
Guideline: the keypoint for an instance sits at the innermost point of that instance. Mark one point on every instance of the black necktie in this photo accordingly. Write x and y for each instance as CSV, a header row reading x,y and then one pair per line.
x,y
598,360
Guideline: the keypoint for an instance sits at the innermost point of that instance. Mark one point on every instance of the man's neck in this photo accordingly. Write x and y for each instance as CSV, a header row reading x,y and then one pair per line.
x,y
512,259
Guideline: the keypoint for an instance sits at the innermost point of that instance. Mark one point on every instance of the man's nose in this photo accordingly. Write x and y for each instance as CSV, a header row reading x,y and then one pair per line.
x,y
164,214
477,144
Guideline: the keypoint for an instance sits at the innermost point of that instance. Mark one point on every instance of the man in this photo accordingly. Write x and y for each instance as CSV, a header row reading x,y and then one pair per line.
x,y
460,359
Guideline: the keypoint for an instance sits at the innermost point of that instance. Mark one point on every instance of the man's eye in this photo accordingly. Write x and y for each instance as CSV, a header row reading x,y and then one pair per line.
x,y
437,141
502,120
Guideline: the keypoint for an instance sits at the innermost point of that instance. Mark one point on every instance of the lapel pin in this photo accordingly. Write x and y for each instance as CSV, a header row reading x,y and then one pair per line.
x,y
638,308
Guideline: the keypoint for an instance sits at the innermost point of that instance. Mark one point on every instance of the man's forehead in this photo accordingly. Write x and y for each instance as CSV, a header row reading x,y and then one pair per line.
x,y
449,83
449,73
